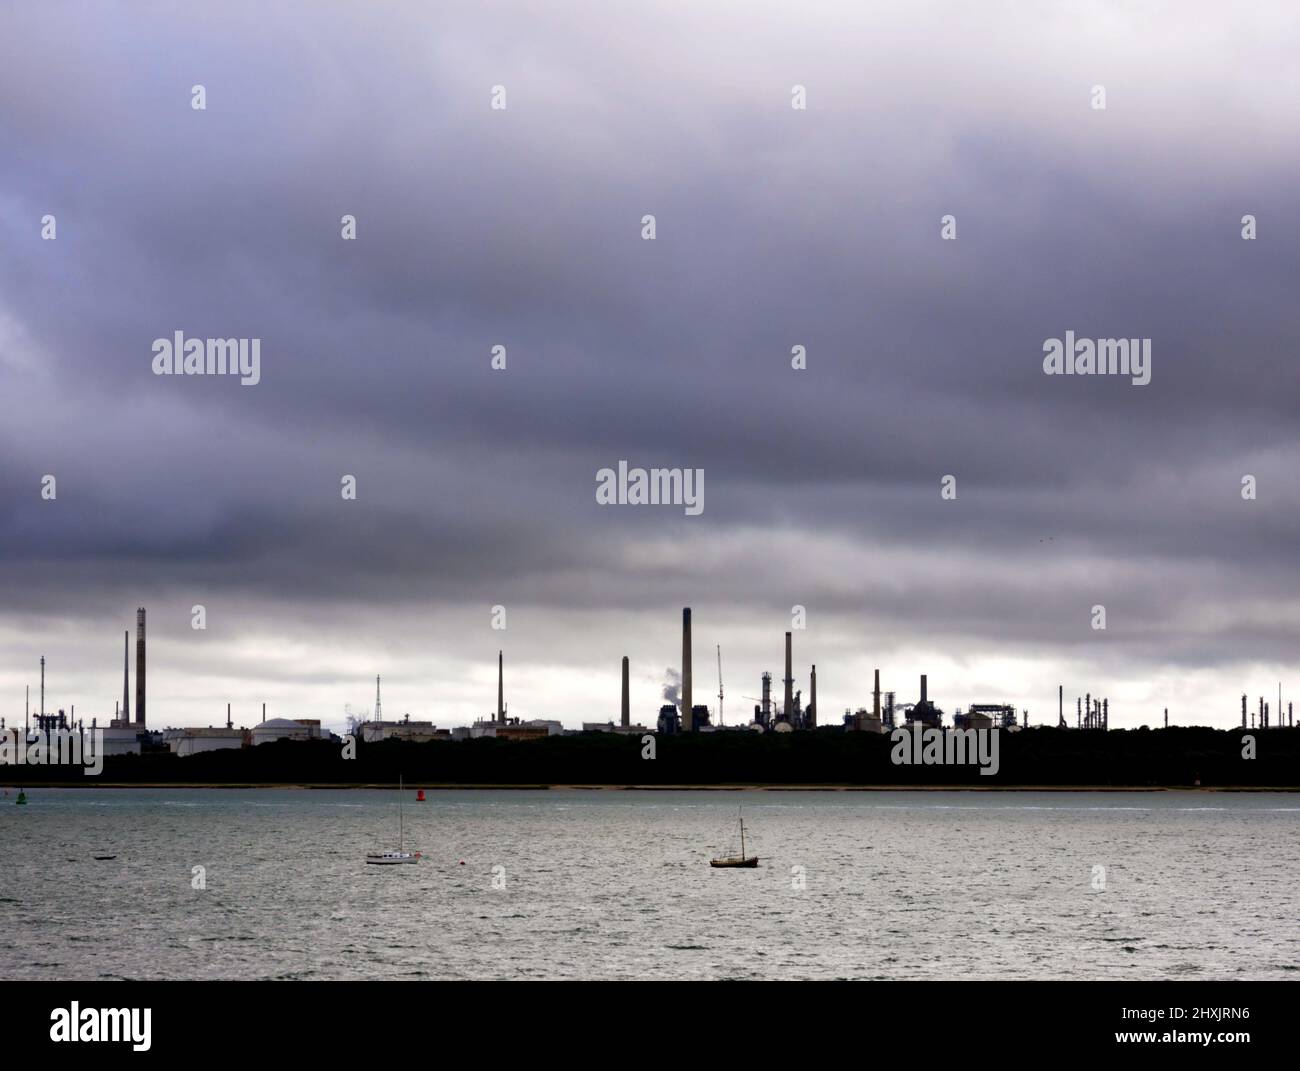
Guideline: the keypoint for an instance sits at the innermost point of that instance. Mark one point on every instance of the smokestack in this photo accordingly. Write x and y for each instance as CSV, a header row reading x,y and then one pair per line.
x,y
924,692
42,687
875,698
1060,706
767,698
126,675
1166,717
264,712
229,723
811,718
1105,714
789,677
27,712
501,688
1243,711
139,667
688,713
627,706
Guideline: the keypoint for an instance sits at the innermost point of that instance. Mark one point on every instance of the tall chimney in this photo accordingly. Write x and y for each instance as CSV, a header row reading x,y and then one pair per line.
x,y
811,715
875,698
27,712
126,675
789,678
1105,713
688,714
627,704
1060,706
1243,711
139,667
501,687
767,698
924,691
42,689
229,723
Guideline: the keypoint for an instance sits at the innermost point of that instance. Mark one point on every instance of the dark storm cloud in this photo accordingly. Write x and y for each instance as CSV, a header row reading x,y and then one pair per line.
x,y
776,228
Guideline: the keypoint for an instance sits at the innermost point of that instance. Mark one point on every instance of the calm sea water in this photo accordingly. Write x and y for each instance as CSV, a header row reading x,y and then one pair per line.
x,y
617,885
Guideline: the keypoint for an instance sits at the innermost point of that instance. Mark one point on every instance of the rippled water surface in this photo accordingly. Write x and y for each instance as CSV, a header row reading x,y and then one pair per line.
x,y
616,884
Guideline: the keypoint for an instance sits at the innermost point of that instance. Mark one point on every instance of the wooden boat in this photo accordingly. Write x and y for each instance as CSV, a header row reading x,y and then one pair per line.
x,y
737,860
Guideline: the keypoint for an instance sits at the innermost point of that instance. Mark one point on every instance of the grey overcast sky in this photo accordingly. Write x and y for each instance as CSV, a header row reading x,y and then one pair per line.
x,y
521,227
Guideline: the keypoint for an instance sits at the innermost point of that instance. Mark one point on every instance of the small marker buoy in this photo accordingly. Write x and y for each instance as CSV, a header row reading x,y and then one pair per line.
x,y
419,796
462,862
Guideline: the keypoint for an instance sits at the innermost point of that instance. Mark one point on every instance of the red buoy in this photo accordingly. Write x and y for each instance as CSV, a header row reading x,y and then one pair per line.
x,y
419,796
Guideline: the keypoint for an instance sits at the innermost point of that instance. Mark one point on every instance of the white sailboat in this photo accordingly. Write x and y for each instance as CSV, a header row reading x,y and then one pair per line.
x,y
399,855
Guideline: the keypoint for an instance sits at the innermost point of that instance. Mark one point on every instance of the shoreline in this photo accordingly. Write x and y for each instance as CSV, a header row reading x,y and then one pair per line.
x,y
762,787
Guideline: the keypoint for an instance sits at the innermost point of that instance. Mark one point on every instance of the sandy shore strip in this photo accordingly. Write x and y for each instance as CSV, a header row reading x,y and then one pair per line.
x,y
433,785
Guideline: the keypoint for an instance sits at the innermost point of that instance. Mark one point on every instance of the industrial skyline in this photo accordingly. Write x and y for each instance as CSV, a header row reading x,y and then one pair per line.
x,y
778,229
679,715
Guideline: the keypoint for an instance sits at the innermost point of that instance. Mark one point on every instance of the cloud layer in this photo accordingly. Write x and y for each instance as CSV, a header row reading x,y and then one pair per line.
x,y
775,228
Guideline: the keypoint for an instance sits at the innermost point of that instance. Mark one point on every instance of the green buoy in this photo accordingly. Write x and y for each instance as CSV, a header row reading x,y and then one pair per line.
x,y
22,797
